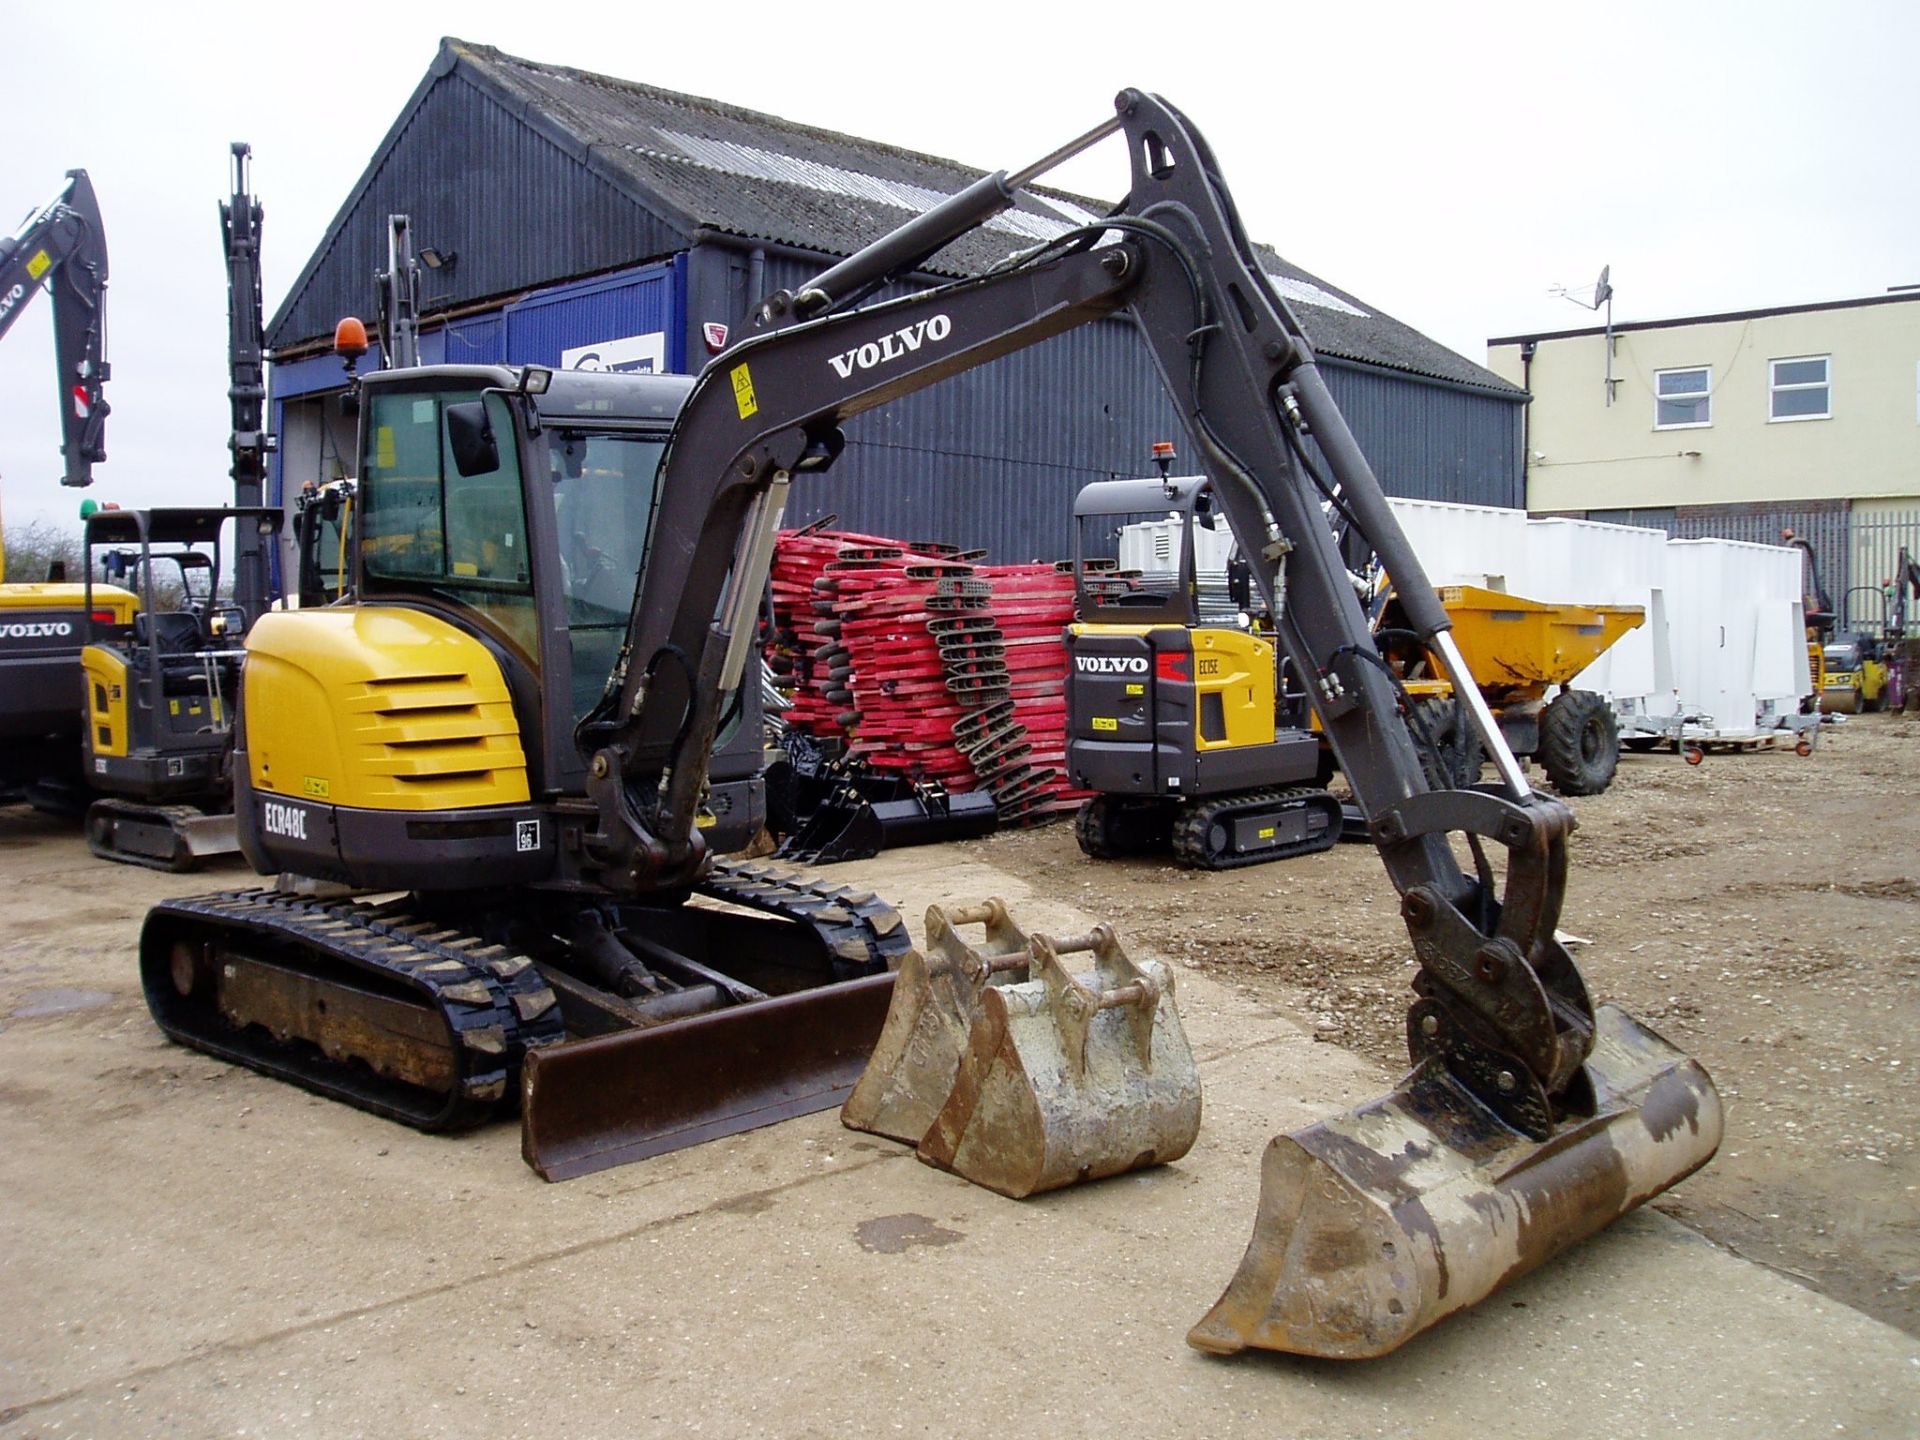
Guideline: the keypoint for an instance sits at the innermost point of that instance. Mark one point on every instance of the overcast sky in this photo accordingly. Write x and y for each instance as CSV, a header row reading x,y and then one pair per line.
x,y
1449,165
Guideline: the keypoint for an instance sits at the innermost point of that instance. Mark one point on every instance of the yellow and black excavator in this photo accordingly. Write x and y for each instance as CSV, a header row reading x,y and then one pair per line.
x,y
1178,716
558,579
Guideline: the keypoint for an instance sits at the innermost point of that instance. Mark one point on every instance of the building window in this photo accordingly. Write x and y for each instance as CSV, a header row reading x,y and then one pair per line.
x,y
1800,388
1683,399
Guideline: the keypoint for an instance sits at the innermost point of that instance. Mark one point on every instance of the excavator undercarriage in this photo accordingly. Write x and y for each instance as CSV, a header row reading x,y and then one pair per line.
x,y
425,1008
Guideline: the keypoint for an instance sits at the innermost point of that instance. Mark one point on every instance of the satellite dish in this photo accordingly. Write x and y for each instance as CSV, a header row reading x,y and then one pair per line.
x,y
1602,288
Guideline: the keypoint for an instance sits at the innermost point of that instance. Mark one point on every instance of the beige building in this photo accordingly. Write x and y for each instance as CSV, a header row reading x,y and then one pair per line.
x,y
1735,425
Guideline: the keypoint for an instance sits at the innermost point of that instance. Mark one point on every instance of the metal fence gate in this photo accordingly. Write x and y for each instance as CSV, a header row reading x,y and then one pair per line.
x,y
1874,542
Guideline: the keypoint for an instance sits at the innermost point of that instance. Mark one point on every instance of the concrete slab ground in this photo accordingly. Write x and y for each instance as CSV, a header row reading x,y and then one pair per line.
x,y
187,1249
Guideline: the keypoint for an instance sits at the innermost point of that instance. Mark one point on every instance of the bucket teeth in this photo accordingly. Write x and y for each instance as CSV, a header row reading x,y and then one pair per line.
x,y
1379,1222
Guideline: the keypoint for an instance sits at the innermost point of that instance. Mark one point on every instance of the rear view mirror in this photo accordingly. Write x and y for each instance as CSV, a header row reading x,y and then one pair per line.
x,y
573,457
470,435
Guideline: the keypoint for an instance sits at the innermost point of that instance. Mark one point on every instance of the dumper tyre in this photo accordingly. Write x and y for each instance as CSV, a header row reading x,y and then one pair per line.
x,y
1579,743
1451,757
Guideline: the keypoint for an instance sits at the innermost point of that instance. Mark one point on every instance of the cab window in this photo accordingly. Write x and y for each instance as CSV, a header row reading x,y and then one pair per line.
x,y
429,528
604,487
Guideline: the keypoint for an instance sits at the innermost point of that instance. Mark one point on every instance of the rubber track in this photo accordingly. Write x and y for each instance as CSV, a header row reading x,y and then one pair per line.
x,y
1191,826
495,1002
863,933
1092,832
173,816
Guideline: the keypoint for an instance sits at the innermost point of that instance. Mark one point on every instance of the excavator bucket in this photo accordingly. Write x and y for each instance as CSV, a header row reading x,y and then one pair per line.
x,y
852,824
936,1000
1064,1080
842,826
1378,1223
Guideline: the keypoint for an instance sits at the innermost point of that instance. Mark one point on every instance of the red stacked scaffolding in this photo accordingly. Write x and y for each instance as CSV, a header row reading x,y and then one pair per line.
x,y
1031,606
908,685
806,647
925,664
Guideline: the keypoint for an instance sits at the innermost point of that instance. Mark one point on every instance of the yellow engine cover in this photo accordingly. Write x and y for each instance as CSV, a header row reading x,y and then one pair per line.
x,y
109,601
106,701
381,709
1238,669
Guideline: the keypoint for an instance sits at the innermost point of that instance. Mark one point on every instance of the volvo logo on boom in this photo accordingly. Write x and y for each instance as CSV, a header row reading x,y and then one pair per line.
x,y
904,341
14,295
1111,664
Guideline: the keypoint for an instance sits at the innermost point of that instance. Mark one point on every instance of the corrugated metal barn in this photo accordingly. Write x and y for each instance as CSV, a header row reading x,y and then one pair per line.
x,y
585,221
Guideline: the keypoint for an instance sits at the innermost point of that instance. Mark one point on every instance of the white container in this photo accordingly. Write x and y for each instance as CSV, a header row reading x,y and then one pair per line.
x,y
1738,634
1560,562
1153,546
1585,562
1467,544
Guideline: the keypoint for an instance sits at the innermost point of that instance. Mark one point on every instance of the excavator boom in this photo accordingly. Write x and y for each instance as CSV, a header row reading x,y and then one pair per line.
x,y
63,247
251,441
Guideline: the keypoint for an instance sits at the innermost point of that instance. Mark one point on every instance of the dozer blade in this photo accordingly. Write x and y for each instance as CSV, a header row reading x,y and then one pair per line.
x,y
1380,1222
1064,1081
936,1000
161,837
592,1104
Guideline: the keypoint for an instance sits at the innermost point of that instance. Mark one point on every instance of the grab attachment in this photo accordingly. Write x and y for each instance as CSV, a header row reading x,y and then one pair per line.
x,y
936,1000
1064,1081
1380,1222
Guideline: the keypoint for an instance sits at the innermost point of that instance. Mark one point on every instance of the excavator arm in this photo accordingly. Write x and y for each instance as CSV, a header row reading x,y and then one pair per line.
x,y
397,298
251,442
62,246
1499,1001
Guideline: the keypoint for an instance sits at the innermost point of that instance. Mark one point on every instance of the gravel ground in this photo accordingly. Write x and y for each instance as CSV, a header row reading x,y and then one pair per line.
x,y
1762,911
187,1248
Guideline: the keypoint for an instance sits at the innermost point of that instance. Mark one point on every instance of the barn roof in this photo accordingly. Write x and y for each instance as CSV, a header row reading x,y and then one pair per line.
x,y
534,173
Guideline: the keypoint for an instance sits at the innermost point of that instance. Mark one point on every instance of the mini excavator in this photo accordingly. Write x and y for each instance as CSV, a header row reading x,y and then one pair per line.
x,y
511,729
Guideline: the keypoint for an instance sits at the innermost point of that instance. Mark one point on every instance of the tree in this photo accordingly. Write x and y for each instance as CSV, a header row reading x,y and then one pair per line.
x,y
34,549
